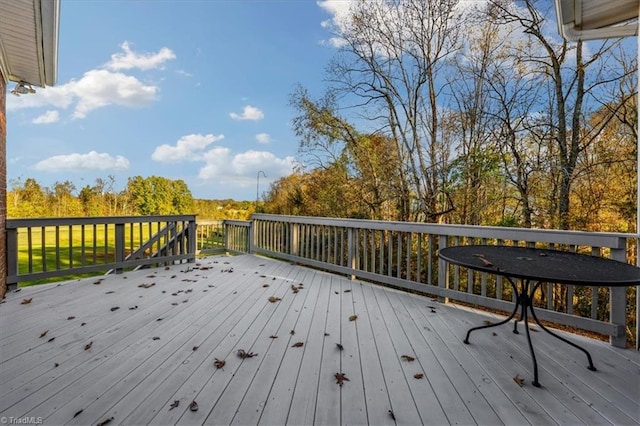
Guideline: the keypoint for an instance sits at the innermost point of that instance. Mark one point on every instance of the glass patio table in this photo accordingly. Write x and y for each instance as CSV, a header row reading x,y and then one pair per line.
x,y
532,267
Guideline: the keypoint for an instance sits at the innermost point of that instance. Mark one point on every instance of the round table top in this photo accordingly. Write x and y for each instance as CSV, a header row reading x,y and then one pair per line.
x,y
544,265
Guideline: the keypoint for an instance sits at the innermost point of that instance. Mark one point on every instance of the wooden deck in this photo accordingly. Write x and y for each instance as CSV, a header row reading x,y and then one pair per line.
x,y
160,345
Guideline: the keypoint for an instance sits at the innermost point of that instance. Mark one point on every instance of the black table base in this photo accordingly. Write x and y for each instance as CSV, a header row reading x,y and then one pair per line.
x,y
524,299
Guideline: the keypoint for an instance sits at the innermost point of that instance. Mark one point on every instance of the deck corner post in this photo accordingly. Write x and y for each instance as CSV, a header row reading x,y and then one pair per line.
x,y
12,258
192,239
443,270
119,246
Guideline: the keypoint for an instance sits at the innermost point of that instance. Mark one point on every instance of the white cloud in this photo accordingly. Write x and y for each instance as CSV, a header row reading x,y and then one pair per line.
x,y
144,61
96,89
83,162
99,88
47,117
223,167
184,73
263,138
188,148
249,113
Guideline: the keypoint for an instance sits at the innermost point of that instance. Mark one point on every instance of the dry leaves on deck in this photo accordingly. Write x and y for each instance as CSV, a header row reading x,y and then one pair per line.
x,y
219,363
244,354
341,378
274,299
418,375
353,317
174,404
44,333
26,301
297,345
88,346
105,422
340,346
408,358
193,406
519,380
146,285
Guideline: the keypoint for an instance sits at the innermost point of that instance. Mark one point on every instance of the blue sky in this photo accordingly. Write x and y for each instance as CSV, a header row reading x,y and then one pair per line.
x,y
192,90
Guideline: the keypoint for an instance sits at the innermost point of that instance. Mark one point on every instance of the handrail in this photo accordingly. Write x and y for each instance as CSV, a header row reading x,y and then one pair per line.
x,y
57,247
404,255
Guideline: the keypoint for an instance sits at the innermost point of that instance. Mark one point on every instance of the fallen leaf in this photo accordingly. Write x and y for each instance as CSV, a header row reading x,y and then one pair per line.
x,y
105,422
347,291
274,299
273,336
408,358
155,338
51,340
56,365
174,404
341,378
88,346
193,406
392,415
71,318
418,375
195,348
159,319
265,285
340,346
147,285
519,380
26,301
292,332
353,317
109,292
337,292
244,354
115,308
297,345
44,333
98,282
133,307
83,324
219,363
77,413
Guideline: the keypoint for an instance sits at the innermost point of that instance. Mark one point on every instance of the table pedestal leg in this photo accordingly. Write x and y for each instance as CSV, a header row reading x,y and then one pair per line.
x,y
524,299
535,318
513,314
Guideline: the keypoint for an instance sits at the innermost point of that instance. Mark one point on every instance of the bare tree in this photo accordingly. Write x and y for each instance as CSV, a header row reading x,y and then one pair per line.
x,y
390,62
574,91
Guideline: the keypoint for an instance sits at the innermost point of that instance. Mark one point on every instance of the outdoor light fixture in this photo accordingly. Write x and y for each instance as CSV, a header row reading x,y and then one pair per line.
x,y
22,88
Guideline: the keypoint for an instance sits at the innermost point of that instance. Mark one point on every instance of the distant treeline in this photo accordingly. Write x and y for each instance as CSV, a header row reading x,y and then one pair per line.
x,y
152,195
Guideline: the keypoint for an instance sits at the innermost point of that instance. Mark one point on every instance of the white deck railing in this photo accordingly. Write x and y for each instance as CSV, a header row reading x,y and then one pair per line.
x,y
58,247
404,255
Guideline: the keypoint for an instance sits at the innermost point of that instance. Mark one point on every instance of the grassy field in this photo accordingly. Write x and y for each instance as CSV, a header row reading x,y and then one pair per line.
x,y
57,248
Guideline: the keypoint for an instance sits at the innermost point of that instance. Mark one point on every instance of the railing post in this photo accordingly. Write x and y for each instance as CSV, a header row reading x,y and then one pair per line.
x,y
251,235
192,240
12,258
295,238
351,250
119,245
443,270
618,304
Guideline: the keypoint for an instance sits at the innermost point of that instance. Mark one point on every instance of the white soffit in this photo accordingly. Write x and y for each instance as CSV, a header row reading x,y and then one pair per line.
x,y
597,19
29,41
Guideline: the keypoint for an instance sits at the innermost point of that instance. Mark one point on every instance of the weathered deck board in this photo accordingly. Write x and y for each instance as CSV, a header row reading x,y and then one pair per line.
x,y
202,314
